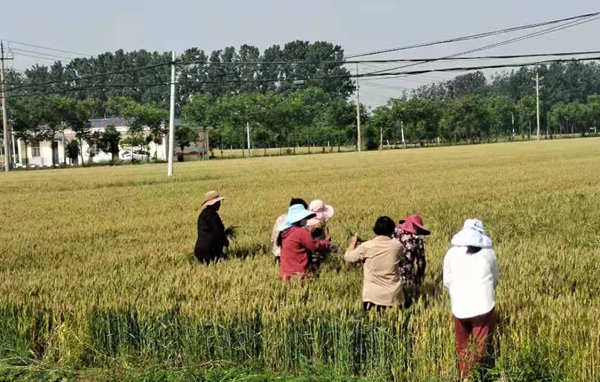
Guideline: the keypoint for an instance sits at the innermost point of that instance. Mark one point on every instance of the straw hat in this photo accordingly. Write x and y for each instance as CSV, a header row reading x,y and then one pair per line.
x,y
211,197
322,212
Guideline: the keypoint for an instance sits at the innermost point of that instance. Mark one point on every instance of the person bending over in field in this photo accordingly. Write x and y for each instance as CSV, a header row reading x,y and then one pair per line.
x,y
382,287
319,230
212,235
276,249
412,261
471,276
297,244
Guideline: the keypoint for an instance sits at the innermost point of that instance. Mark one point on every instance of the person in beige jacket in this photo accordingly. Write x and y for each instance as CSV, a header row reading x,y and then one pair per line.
x,y
382,287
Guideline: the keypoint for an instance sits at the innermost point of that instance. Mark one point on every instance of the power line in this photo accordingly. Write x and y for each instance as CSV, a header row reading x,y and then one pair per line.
x,y
505,42
474,58
91,76
47,48
34,56
388,87
44,54
537,34
366,75
475,36
366,62
471,68
557,54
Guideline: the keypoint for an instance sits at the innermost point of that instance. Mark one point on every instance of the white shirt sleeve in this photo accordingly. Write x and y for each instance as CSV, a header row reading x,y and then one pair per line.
x,y
447,270
495,270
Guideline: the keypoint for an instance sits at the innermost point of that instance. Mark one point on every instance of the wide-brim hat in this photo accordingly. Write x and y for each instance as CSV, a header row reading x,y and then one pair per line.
x,y
413,224
322,212
211,197
296,213
472,235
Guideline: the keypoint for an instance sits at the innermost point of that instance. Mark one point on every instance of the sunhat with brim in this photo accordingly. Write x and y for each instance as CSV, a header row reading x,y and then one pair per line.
x,y
472,235
211,197
475,224
414,225
322,212
295,214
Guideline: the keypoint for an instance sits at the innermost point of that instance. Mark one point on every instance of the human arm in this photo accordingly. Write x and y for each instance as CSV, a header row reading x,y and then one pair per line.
x,y
495,270
447,270
421,261
353,254
310,244
217,229
274,235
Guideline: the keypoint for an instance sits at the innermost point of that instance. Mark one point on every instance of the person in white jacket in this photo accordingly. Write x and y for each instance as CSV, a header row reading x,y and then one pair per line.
x,y
471,277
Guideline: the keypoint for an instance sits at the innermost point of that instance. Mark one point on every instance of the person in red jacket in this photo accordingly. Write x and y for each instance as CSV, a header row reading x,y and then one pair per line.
x,y
297,244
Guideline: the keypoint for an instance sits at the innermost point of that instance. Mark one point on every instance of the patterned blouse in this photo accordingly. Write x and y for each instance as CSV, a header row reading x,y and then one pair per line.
x,y
412,263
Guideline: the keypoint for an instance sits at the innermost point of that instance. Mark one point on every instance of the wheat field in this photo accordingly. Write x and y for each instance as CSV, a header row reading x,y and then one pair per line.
x,y
97,268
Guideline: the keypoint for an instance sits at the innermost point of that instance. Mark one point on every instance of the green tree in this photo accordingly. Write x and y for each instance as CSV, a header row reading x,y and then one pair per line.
x,y
109,141
466,119
558,117
77,115
501,110
575,113
154,118
593,110
53,111
381,120
527,113
25,118
420,117
73,150
339,114
138,117
184,136
371,137
93,142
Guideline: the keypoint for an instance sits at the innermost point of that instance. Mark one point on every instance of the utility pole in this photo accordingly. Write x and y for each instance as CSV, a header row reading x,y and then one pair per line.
x,y
403,141
7,161
171,121
248,136
358,110
513,124
537,90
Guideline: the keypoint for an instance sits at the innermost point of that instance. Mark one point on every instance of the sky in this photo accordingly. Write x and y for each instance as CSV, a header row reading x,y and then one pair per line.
x,y
93,27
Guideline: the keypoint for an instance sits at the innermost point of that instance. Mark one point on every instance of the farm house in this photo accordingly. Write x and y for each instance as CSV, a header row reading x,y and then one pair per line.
x,y
39,154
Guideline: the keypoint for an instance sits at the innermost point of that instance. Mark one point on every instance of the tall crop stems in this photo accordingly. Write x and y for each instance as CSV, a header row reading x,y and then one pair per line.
x,y
97,269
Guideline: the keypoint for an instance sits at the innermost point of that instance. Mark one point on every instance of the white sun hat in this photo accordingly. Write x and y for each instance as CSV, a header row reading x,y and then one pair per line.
x,y
472,235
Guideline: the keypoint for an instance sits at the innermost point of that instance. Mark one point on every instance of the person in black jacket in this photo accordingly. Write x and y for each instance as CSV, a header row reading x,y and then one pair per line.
x,y
212,236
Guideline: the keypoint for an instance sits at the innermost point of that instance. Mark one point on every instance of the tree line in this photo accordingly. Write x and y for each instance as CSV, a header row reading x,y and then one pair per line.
x,y
473,107
143,76
477,118
217,93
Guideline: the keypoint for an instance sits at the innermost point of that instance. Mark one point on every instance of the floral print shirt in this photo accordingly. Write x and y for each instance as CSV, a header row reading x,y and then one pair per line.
x,y
412,264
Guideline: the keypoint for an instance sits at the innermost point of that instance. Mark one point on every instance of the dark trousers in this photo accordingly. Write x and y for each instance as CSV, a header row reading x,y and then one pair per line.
x,y
367,306
411,295
473,341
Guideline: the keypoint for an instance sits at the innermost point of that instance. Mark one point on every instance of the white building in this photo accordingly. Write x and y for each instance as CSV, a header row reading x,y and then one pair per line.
x,y
39,154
